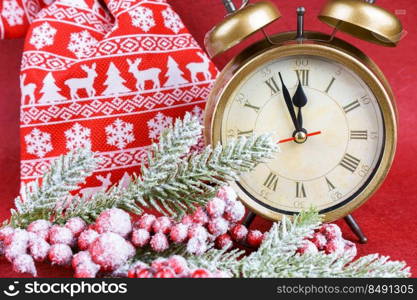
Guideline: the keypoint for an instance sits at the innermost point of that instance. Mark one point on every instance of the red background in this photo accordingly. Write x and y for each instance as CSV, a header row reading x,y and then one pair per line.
x,y
389,218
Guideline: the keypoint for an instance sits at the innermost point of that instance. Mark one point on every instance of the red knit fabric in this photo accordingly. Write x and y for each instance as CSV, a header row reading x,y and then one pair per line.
x,y
389,218
109,79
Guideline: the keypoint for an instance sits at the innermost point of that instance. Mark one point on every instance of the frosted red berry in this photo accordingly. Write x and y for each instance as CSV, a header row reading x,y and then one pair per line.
x,y
60,254
179,233
234,212
24,264
319,240
239,233
197,231
145,222
159,242
86,238
218,226
162,224
201,273
307,247
254,238
140,237
114,220
223,241
144,273
39,249
196,246
215,207
60,235
331,231
76,225
200,216
178,264
165,273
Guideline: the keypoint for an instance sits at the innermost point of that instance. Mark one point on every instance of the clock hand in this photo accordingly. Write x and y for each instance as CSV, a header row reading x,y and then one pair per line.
x,y
299,100
288,101
293,138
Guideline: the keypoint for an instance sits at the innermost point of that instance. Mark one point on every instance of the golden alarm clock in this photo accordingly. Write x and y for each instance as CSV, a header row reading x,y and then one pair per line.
x,y
327,105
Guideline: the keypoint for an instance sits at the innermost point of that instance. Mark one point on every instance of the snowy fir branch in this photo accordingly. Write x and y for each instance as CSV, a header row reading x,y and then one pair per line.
x,y
197,177
43,200
277,257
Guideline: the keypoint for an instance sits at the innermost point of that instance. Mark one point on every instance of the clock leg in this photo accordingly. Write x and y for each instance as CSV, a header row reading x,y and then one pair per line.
x,y
249,219
356,229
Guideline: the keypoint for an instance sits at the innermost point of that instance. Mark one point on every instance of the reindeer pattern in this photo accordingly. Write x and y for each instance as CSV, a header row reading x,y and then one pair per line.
x,y
27,90
141,77
90,191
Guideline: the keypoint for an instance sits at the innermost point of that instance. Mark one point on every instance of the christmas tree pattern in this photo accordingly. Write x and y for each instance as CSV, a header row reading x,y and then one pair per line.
x,y
114,82
174,74
50,91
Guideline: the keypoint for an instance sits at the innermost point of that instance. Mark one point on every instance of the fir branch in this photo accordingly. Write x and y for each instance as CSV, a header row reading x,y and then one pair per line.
x,y
276,257
41,201
198,177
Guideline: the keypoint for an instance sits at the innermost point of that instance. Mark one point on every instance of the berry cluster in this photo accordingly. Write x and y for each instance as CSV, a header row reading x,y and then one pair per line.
x,y
328,238
217,221
173,267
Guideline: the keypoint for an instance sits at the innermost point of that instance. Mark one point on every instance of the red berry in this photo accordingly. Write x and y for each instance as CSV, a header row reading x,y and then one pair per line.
x,y
86,238
162,224
335,246
179,233
159,242
201,273
60,254
331,231
200,217
39,249
5,232
131,273
223,241
140,237
218,226
319,240
187,220
165,273
239,232
24,264
144,273
196,246
86,270
82,257
215,207
145,222
254,238
114,220
235,211
197,231
227,194
178,264
61,235
76,225
159,264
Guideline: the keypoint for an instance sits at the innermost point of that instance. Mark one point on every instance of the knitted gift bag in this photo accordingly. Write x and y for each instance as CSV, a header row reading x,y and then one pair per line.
x,y
109,79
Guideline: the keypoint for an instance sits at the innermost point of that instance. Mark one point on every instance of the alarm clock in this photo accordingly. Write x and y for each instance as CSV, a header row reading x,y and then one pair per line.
x,y
327,105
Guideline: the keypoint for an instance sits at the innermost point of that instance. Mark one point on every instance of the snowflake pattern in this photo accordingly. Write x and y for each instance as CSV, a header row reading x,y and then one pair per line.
x,y
38,143
142,17
78,137
42,36
120,134
157,124
82,44
172,20
12,12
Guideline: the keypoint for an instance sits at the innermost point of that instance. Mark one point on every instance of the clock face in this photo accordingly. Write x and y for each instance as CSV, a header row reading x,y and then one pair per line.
x,y
343,122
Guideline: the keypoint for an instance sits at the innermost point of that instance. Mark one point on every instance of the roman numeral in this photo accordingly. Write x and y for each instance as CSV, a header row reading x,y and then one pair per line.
x,y
271,181
330,85
300,191
351,106
255,108
359,134
239,133
329,184
272,84
303,76
350,162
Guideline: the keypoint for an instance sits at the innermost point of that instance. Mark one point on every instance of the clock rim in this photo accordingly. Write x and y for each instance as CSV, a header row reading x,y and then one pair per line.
x,y
336,50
